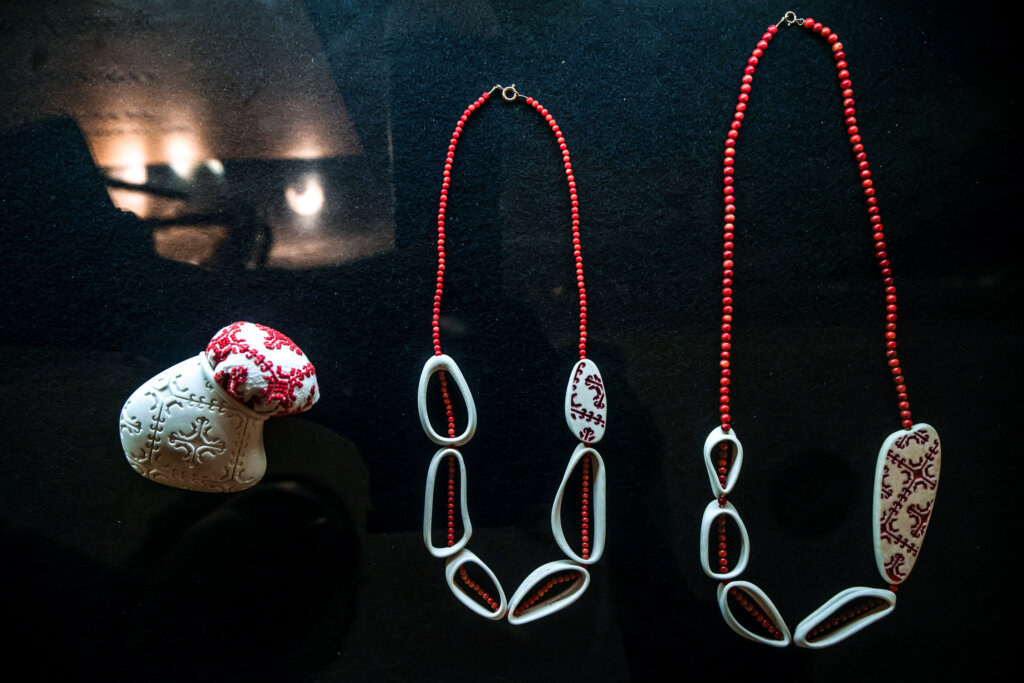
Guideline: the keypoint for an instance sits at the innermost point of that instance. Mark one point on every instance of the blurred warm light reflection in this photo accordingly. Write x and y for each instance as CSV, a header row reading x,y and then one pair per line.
x,y
307,198
182,155
130,200
215,166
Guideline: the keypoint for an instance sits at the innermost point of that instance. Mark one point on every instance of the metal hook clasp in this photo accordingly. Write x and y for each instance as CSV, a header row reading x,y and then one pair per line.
x,y
790,18
508,93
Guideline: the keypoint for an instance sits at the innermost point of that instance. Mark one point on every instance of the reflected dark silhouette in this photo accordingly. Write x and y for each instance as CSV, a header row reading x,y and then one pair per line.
x,y
258,586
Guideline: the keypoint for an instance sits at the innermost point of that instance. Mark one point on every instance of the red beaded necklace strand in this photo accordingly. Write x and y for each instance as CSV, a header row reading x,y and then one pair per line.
x,y
557,584
908,465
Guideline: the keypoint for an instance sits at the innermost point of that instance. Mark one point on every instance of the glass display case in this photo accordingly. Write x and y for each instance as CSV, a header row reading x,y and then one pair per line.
x,y
170,168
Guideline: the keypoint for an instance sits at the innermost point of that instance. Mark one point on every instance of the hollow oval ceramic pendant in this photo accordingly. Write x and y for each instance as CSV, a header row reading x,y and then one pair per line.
x,y
748,597
906,480
712,512
843,615
715,438
454,578
586,407
596,505
428,505
445,363
548,589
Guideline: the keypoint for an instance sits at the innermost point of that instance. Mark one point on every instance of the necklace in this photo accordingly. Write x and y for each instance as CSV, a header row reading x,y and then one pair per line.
x,y
907,470
554,585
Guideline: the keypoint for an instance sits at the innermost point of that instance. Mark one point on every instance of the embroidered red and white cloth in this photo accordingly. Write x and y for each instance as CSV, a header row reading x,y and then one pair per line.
x,y
262,368
199,424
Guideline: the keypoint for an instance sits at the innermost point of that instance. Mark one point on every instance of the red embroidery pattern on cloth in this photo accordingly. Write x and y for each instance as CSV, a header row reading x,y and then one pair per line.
x,y
231,379
276,340
226,342
904,521
282,383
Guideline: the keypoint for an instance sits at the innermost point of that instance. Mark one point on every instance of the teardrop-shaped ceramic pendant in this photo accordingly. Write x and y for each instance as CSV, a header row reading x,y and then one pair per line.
x,y
428,504
445,363
549,588
712,512
843,615
595,507
757,609
906,480
586,407
461,584
713,453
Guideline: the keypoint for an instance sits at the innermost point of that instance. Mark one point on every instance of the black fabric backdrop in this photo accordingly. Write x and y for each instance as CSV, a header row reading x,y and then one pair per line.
x,y
110,575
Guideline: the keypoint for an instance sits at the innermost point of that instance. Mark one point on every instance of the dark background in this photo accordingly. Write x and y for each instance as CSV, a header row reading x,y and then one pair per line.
x,y
320,573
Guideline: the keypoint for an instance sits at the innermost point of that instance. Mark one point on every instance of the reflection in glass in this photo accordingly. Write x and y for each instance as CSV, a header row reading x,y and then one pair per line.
x,y
218,124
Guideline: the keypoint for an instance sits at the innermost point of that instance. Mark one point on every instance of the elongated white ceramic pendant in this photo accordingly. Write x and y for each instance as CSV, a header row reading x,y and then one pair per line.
x,y
548,588
586,406
428,505
596,506
459,588
445,363
843,615
711,513
715,438
744,594
906,480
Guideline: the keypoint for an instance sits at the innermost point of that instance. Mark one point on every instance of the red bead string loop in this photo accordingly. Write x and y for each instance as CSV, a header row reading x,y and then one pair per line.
x,y
511,95
874,216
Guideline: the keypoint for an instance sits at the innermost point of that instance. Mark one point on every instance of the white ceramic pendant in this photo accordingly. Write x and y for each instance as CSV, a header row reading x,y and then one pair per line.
x,y
428,504
747,597
906,480
715,438
586,406
596,506
843,615
712,512
549,588
445,363
461,590
182,429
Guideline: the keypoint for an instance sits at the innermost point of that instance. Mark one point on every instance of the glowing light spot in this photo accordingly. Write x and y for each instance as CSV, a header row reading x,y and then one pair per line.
x,y
307,198
182,155
215,166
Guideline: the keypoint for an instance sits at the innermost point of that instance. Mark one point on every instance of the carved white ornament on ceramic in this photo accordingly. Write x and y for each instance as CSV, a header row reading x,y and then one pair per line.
x,y
428,505
451,570
906,480
451,369
851,609
597,506
715,438
767,607
586,406
712,512
199,424
558,600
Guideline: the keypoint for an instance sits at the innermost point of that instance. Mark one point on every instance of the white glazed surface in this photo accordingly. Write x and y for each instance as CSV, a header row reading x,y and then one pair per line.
x,y
849,628
597,506
182,429
711,512
716,437
906,481
558,602
451,569
445,363
428,505
766,605
586,406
